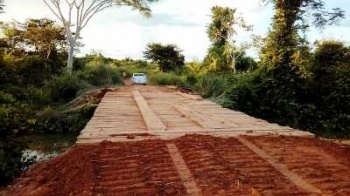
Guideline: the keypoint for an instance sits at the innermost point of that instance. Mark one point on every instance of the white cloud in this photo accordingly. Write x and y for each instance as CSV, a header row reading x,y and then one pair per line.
x,y
120,32
122,40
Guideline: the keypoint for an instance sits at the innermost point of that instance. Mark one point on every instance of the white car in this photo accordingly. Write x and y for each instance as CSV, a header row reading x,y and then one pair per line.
x,y
139,78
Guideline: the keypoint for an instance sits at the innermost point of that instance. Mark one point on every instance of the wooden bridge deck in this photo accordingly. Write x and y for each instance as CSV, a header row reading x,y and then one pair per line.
x,y
134,113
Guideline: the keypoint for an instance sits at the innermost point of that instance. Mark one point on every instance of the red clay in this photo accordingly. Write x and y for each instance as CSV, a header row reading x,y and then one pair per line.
x,y
218,166
72,173
321,163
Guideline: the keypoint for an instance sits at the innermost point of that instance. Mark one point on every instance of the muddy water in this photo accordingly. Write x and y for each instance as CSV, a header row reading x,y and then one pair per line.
x,y
43,147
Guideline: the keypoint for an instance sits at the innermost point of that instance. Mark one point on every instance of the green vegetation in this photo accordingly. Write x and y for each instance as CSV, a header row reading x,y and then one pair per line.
x,y
223,54
168,57
166,79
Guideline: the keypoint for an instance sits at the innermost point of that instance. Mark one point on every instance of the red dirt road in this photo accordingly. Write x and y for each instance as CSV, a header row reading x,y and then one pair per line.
x,y
194,165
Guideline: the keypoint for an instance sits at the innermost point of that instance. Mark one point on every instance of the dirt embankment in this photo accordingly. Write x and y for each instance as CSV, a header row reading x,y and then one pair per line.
x,y
217,166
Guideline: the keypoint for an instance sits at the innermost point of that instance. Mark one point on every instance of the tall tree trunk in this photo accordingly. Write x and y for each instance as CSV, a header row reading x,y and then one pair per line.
x,y
70,57
234,65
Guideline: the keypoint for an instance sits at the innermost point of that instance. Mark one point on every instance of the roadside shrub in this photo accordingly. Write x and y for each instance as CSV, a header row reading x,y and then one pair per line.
x,y
167,79
79,64
10,155
71,121
101,75
65,87
38,96
12,120
191,79
289,99
34,70
210,85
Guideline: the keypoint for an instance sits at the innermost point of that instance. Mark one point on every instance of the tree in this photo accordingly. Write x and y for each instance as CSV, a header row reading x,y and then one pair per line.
x,y
330,58
12,40
330,86
44,35
290,18
38,36
83,11
168,57
223,53
11,146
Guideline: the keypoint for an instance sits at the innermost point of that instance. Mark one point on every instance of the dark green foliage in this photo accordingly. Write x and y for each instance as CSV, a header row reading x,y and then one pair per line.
x,y
319,104
166,79
191,79
13,121
10,154
168,57
71,121
7,75
245,63
261,94
211,85
282,91
34,70
331,85
100,75
65,88
79,64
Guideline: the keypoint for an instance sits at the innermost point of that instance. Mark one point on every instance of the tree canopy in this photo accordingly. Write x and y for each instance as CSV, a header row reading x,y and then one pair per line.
x,y
223,53
39,36
291,17
168,57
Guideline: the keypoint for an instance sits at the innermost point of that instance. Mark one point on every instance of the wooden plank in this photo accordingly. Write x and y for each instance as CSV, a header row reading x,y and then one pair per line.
x,y
152,121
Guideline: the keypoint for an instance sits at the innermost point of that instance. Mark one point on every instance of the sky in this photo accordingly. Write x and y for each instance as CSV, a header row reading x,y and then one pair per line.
x,y
120,32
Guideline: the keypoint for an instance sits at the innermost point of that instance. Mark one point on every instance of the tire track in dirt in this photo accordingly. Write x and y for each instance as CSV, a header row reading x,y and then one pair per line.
x,y
297,180
143,168
306,158
184,172
218,166
227,167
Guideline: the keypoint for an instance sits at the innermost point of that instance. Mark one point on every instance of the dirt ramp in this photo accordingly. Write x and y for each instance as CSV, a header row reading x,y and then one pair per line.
x,y
71,173
142,168
139,168
198,165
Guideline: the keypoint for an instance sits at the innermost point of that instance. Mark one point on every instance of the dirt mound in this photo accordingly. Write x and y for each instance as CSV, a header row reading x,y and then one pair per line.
x,y
142,168
92,96
71,173
214,166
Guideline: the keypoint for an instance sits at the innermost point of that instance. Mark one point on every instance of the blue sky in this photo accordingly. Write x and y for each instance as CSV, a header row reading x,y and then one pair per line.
x,y
119,32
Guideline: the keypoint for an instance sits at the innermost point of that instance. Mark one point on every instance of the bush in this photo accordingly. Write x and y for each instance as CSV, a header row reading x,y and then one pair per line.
x,y
167,79
289,99
11,120
191,79
210,85
65,88
101,75
71,121
34,70
10,155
